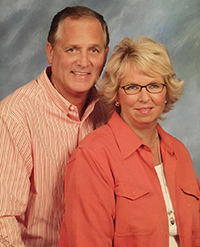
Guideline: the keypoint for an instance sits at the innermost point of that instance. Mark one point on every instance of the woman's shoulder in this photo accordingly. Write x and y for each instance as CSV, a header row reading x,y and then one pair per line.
x,y
99,137
169,138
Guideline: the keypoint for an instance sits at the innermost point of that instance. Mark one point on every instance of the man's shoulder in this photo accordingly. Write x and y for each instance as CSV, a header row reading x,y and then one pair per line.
x,y
24,94
19,97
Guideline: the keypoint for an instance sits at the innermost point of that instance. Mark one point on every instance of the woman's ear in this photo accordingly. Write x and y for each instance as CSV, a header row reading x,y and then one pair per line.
x,y
117,101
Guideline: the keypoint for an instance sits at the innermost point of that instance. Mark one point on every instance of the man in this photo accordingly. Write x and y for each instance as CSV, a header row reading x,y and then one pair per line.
x,y
42,123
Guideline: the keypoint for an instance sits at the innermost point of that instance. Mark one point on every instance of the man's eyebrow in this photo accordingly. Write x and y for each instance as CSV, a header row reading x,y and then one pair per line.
x,y
70,46
96,46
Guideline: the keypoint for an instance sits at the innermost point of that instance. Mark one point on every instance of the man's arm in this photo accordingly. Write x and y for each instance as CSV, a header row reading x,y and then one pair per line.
x,y
90,203
14,181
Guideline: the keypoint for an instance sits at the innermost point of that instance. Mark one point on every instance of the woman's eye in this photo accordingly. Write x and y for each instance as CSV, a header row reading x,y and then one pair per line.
x,y
132,87
154,86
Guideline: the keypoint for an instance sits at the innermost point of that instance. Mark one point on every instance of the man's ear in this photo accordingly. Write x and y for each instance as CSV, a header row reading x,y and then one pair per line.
x,y
107,50
49,52
105,56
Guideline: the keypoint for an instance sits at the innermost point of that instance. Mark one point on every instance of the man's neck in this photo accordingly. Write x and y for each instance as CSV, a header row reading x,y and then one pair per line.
x,y
81,102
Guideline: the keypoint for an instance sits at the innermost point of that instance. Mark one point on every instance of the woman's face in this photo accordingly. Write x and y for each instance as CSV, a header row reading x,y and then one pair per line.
x,y
141,110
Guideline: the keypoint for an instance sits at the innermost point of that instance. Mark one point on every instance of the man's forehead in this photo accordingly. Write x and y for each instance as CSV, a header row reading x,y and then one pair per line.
x,y
76,32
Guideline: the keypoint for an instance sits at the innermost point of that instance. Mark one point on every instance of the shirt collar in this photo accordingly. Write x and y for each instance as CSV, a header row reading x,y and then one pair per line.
x,y
58,99
129,142
166,140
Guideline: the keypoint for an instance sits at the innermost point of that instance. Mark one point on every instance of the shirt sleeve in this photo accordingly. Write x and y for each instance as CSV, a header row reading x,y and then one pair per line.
x,y
14,181
89,203
198,230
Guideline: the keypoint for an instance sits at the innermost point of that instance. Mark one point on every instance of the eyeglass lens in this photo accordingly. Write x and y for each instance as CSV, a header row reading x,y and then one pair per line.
x,y
136,88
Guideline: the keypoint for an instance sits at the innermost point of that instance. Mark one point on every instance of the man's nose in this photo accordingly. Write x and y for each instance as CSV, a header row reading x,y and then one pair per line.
x,y
83,59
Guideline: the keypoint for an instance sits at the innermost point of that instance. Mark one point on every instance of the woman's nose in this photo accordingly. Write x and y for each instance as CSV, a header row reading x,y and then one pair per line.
x,y
144,95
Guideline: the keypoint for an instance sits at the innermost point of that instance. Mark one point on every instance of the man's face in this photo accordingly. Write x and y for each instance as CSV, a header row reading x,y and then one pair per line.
x,y
77,58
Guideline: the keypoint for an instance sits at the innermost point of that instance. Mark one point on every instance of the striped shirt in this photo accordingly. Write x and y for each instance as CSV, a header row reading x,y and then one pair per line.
x,y
39,131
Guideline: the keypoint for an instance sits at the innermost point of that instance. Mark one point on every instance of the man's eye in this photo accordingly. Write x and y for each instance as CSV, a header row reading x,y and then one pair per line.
x,y
94,50
71,50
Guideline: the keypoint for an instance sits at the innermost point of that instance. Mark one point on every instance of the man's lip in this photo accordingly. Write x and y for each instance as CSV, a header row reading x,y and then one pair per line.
x,y
80,73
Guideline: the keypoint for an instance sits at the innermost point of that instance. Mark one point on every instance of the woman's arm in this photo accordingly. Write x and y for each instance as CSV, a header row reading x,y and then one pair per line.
x,y
89,203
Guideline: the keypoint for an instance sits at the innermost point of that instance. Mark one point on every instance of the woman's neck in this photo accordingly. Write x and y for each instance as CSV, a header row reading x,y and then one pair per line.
x,y
148,135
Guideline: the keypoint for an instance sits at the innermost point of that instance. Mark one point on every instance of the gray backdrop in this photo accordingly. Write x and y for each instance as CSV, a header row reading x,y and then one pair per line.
x,y
24,25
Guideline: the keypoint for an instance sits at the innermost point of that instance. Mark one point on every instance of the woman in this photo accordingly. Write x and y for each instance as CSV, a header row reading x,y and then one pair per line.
x,y
131,184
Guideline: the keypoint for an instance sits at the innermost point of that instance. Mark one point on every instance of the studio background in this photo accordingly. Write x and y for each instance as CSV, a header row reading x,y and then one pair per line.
x,y
24,26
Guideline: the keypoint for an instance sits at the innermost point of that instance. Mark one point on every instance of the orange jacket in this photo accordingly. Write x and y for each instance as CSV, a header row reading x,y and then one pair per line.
x,y
113,195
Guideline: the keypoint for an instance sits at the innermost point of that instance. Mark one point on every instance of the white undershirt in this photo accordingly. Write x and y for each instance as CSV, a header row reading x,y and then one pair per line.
x,y
173,231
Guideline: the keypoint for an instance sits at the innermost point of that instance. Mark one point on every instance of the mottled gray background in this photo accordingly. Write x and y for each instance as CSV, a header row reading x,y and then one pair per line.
x,y
24,25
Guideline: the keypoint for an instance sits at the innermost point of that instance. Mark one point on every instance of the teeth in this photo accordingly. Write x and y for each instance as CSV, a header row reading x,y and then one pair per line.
x,y
80,73
145,109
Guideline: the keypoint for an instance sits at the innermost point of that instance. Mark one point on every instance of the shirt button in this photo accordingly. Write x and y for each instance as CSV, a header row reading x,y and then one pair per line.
x,y
71,108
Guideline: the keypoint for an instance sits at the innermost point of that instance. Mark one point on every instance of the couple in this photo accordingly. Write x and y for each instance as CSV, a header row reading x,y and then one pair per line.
x,y
129,183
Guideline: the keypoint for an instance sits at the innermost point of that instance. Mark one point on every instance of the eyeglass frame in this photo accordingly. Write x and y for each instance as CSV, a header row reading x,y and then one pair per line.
x,y
163,84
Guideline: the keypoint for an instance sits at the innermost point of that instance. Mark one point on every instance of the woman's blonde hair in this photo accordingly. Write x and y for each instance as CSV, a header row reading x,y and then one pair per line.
x,y
148,56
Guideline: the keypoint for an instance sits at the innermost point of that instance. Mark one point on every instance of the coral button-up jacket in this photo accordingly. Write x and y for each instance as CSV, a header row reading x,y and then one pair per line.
x,y
113,195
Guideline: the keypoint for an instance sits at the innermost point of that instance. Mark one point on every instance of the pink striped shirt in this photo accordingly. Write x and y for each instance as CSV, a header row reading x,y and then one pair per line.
x,y
39,131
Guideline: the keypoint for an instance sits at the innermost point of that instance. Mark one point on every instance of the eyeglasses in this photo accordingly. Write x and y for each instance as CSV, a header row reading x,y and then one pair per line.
x,y
154,87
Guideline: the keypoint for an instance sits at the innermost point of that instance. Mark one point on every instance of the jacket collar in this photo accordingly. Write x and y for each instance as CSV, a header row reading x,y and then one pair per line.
x,y
167,141
129,142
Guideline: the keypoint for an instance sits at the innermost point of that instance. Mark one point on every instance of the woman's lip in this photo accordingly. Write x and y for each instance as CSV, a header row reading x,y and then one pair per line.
x,y
144,109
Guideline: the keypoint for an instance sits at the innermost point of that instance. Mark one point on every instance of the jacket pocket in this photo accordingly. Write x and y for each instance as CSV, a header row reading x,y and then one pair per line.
x,y
134,210
130,192
190,191
192,206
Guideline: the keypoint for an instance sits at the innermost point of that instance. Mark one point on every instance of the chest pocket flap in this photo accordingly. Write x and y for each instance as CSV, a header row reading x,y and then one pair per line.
x,y
131,192
190,190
